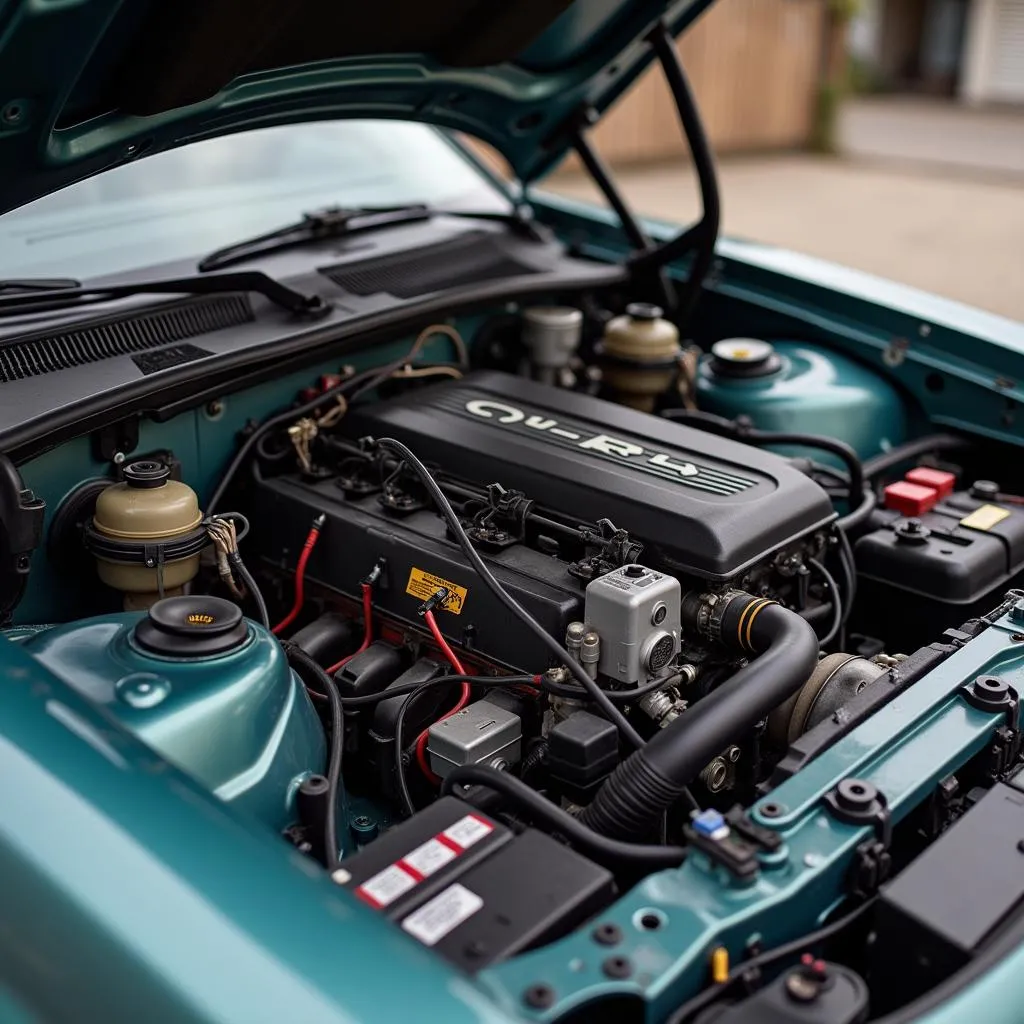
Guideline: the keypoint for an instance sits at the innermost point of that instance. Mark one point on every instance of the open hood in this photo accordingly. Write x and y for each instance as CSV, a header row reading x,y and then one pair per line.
x,y
91,84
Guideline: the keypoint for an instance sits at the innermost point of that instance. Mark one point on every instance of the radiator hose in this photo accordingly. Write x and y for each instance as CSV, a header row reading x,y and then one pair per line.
x,y
784,649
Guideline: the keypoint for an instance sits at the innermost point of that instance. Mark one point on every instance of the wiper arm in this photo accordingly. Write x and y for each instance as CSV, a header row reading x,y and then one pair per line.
x,y
338,222
39,284
65,297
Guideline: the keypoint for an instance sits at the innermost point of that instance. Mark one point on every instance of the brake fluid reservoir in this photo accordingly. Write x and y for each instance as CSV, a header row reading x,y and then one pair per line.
x,y
208,690
639,355
146,534
789,386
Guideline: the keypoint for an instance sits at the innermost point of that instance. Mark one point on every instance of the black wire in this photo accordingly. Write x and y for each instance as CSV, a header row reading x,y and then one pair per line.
x,y
598,695
618,696
359,384
911,450
610,852
860,514
405,688
741,431
770,956
308,670
238,567
837,604
850,571
492,682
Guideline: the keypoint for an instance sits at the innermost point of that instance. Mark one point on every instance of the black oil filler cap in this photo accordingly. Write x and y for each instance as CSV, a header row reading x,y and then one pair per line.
x,y
192,627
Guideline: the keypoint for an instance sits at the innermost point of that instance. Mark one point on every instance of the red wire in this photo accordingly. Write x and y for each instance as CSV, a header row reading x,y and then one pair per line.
x,y
421,740
300,580
367,589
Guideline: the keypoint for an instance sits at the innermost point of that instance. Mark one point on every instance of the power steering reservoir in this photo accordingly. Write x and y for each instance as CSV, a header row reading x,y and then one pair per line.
x,y
640,355
146,535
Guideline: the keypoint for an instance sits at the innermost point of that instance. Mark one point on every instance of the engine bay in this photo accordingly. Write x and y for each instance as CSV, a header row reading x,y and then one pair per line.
x,y
633,678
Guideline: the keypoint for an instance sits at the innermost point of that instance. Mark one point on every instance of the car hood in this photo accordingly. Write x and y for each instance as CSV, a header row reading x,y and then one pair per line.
x,y
91,84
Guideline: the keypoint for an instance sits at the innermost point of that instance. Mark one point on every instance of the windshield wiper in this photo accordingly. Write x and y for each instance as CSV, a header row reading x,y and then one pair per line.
x,y
39,284
70,294
338,222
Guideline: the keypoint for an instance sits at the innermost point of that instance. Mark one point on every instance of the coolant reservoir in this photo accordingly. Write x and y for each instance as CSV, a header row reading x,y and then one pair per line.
x,y
640,355
797,388
147,534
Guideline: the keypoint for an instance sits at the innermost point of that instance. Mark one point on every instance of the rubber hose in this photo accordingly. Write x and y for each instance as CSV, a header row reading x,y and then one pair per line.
x,y
650,780
612,853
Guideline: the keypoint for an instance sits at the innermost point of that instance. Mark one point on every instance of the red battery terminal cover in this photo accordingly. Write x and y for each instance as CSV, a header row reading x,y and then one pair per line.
x,y
937,479
910,499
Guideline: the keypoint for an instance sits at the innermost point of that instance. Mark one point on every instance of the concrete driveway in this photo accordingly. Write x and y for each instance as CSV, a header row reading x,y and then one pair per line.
x,y
955,231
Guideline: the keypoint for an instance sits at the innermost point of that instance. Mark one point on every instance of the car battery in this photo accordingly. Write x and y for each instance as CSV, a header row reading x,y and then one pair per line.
x,y
953,562
469,887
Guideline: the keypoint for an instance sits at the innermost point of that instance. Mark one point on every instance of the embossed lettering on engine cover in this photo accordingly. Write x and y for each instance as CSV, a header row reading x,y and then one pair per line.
x,y
570,434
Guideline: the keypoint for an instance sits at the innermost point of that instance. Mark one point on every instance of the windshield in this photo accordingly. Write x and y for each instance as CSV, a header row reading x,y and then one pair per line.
x,y
184,203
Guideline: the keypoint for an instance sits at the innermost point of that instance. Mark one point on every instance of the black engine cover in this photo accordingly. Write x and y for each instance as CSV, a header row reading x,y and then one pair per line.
x,y
712,505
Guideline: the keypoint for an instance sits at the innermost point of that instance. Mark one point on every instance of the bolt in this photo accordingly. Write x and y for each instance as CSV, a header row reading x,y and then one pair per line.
x,y
607,934
1017,638
1017,611
118,458
214,408
539,997
617,967
772,810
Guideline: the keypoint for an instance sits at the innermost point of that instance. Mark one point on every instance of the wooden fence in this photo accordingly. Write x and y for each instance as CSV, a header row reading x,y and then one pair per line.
x,y
754,65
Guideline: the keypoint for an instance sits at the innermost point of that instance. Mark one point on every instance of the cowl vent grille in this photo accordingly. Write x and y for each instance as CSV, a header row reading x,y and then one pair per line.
x,y
138,332
470,259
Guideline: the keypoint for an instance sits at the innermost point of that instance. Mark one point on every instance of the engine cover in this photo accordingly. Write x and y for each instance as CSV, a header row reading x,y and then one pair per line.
x,y
714,506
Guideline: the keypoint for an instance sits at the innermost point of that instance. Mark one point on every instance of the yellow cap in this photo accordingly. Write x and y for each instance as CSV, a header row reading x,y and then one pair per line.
x,y
720,965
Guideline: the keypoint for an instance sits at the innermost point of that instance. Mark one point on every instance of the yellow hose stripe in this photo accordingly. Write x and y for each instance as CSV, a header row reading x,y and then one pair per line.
x,y
750,622
739,625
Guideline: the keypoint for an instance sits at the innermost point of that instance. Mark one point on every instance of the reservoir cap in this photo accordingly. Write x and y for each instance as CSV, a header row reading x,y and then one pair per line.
x,y
192,627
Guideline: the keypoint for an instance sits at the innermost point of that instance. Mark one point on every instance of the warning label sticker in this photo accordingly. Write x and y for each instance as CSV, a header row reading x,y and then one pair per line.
x,y
386,886
443,914
467,831
428,858
424,585
985,517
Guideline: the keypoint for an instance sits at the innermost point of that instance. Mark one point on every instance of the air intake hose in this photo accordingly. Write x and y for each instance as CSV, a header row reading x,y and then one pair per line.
x,y
653,778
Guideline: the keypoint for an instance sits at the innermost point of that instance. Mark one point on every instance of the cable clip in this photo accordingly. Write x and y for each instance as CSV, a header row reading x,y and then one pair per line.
x,y
375,573
432,602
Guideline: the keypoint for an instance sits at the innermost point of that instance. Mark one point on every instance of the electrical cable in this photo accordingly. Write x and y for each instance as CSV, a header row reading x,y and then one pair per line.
x,y
614,853
859,515
911,450
598,695
300,575
837,604
741,431
367,589
452,659
571,692
361,383
768,957
308,670
846,560
238,567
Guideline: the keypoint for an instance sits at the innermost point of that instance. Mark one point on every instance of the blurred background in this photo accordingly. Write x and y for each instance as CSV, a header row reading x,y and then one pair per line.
x,y
886,135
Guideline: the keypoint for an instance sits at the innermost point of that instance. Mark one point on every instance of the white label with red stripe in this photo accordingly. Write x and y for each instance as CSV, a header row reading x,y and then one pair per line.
x,y
428,858
386,886
443,914
467,831
397,879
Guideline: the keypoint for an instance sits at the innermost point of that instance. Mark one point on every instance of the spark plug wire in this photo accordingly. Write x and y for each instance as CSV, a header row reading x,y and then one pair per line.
x,y
367,588
300,575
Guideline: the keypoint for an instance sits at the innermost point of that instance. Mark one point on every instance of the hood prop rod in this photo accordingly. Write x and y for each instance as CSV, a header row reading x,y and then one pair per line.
x,y
703,235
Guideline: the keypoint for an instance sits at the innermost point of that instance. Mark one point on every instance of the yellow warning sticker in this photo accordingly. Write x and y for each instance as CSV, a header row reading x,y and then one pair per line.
x,y
425,584
985,518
